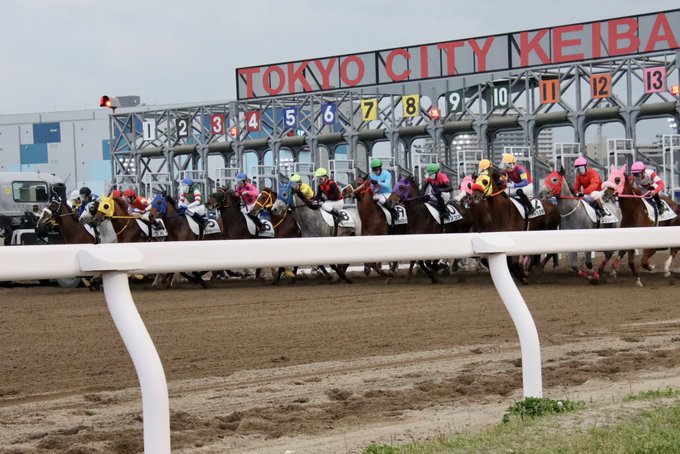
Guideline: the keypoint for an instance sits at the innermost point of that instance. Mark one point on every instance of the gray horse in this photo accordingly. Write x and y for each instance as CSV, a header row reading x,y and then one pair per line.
x,y
312,225
575,216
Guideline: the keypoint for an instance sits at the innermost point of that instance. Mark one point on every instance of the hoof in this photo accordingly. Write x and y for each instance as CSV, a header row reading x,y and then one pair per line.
x,y
638,282
667,274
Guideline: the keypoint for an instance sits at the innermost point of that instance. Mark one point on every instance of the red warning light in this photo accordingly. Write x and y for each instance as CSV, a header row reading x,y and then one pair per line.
x,y
675,90
233,131
435,113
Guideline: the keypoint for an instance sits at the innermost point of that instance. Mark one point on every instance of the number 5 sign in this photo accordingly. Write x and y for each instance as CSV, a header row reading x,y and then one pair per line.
x,y
253,120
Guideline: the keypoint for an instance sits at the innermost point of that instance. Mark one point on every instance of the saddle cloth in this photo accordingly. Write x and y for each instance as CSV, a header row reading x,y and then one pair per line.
x,y
346,220
538,208
107,234
152,232
608,218
453,215
211,227
266,231
401,220
667,215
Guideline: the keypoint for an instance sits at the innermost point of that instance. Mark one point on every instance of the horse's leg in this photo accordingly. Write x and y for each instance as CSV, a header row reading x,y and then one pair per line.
x,y
545,260
427,271
325,272
410,270
631,264
668,262
573,259
644,261
198,278
294,274
340,271
367,268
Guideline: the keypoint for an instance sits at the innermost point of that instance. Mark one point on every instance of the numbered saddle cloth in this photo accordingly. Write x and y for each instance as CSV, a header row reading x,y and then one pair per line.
x,y
401,220
667,215
608,218
266,230
538,208
211,227
346,221
151,231
453,215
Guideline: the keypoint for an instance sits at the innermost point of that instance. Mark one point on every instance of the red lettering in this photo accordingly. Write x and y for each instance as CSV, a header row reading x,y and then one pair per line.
x,y
298,74
559,43
481,53
595,39
628,34
424,63
267,80
360,70
326,72
450,52
390,60
526,46
655,36
248,72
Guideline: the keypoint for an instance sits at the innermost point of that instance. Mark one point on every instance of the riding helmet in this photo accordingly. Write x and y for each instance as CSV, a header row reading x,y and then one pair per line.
x,y
580,161
129,193
295,178
375,163
187,181
241,176
432,167
637,167
321,172
85,191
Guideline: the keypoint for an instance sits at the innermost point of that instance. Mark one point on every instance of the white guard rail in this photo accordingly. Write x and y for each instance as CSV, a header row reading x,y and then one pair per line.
x,y
115,261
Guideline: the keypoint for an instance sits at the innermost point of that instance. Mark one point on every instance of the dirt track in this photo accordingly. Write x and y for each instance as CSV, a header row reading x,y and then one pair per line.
x,y
320,368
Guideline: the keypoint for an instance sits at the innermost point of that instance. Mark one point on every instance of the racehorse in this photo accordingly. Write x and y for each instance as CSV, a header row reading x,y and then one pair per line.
x,y
59,213
634,214
421,220
575,215
282,219
125,226
373,218
494,211
312,224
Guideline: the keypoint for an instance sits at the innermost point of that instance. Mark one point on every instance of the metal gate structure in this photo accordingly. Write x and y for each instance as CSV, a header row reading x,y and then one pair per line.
x,y
573,90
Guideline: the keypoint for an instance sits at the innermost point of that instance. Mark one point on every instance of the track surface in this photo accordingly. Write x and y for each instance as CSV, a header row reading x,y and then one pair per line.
x,y
313,367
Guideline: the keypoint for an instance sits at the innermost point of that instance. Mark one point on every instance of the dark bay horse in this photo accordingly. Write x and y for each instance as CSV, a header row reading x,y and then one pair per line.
x,y
574,215
493,211
634,214
421,220
373,218
60,214
282,219
163,207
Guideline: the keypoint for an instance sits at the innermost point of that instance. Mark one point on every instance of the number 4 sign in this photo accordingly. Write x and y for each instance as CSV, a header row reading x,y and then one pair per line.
x,y
253,120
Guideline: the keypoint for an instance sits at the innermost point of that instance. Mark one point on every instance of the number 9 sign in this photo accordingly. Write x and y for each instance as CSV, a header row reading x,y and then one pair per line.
x,y
455,101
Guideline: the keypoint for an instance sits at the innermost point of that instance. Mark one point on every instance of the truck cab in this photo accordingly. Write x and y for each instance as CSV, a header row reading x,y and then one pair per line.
x,y
23,195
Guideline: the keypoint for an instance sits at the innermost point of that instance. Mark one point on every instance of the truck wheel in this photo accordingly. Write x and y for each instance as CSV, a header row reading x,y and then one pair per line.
x,y
69,283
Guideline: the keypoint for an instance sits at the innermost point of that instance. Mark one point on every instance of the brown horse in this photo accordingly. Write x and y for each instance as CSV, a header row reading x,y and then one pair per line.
x,y
60,214
493,211
373,218
634,214
177,225
420,219
126,227
282,220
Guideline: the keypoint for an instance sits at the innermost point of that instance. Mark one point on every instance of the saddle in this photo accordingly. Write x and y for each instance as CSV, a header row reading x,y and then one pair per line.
x,y
210,228
151,231
346,220
608,218
401,220
652,211
266,230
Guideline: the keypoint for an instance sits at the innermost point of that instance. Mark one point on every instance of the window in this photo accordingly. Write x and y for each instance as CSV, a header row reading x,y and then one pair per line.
x,y
29,191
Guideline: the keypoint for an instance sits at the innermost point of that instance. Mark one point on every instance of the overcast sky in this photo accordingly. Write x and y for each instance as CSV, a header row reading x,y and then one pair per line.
x,y
64,54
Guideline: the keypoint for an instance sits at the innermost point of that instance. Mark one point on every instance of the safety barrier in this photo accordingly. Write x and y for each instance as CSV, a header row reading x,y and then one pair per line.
x,y
115,261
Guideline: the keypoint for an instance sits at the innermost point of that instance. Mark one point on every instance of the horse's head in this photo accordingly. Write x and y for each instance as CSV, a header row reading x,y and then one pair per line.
x,y
405,188
49,215
465,187
159,207
615,182
357,188
484,185
105,209
217,199
554,184
265,200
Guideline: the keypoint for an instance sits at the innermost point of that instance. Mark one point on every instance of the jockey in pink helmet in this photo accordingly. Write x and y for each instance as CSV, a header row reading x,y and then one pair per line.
x,y
648,183
588,184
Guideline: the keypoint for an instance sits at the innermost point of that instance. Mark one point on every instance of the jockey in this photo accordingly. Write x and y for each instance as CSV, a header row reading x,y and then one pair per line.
x,y
329,196
646,179
296,184
518,181
116,194
381,184
73,200
248,193
438,187
86,196
138,206
190,201
588,185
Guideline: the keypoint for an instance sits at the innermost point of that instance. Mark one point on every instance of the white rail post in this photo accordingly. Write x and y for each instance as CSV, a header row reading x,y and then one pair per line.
x,y
114,265
495,246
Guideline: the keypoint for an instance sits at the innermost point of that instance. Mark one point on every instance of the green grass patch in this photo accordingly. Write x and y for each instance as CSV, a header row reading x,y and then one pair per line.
x,y
653,394
654,428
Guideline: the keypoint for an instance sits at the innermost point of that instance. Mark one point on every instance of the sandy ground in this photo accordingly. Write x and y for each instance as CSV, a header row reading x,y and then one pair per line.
x,y
313,367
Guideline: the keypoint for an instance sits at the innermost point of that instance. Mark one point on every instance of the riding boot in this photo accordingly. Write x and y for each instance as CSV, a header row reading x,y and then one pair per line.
x,y
599,209
202,222
336,215
393,211
441,206
659,204
525,200
256,220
